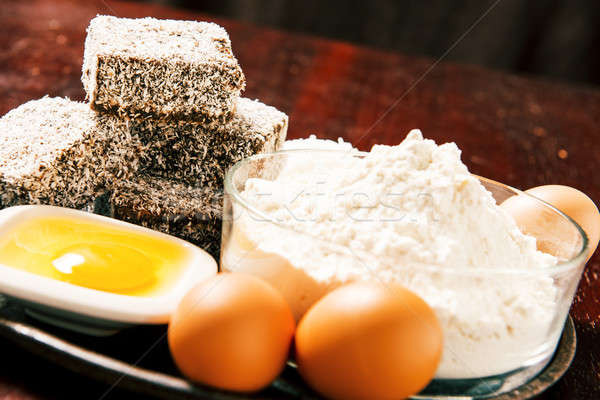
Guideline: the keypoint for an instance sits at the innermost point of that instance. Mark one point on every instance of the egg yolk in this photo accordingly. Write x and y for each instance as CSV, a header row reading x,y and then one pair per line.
x,y
101,266
93,254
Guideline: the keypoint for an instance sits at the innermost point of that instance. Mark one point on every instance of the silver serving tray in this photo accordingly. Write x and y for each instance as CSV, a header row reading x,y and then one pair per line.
x,y
107,360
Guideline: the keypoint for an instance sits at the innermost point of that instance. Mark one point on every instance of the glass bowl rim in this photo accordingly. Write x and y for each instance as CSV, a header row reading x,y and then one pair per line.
x,y
231,191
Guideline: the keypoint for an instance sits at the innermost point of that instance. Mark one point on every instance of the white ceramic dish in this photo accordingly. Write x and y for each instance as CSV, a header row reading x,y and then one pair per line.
x,y
92,311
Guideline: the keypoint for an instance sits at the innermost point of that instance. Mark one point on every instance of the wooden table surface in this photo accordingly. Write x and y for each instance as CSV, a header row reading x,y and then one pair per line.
x,y
521,131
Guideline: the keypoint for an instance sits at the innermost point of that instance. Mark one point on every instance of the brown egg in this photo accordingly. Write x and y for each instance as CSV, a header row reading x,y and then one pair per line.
x,y
369,341
553,234
576,205
232,332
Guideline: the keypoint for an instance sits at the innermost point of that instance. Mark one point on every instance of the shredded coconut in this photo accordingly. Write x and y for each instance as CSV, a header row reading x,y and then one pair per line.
x,y
161,68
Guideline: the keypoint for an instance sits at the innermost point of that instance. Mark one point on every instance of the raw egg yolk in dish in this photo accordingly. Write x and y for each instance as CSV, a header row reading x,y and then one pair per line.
x,y
93,255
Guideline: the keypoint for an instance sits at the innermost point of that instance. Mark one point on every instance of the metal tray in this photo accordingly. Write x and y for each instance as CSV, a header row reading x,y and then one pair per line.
x,y
114,360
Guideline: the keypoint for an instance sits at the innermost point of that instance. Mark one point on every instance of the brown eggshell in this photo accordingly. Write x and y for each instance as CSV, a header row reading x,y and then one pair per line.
x,y
576,205
369,341
232,332
554,234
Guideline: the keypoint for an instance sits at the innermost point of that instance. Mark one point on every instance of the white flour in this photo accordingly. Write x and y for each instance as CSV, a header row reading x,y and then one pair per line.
x,y
408,208
312,142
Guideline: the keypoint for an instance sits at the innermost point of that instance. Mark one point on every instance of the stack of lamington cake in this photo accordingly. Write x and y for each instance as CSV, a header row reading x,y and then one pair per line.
x,y
166,121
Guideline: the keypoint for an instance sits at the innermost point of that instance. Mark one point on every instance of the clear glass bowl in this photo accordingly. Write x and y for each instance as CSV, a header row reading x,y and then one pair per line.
x,y
490,345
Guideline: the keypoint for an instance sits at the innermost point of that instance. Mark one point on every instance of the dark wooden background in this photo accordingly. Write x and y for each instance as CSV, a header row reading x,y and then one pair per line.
x,y
520,131
554,38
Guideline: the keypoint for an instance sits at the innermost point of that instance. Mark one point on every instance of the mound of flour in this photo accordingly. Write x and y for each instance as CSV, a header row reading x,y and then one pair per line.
x,y
412,214
312,142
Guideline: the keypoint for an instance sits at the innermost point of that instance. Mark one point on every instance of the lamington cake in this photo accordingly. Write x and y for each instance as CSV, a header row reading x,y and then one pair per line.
x,y
192,214
52,152
162,68
194,154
